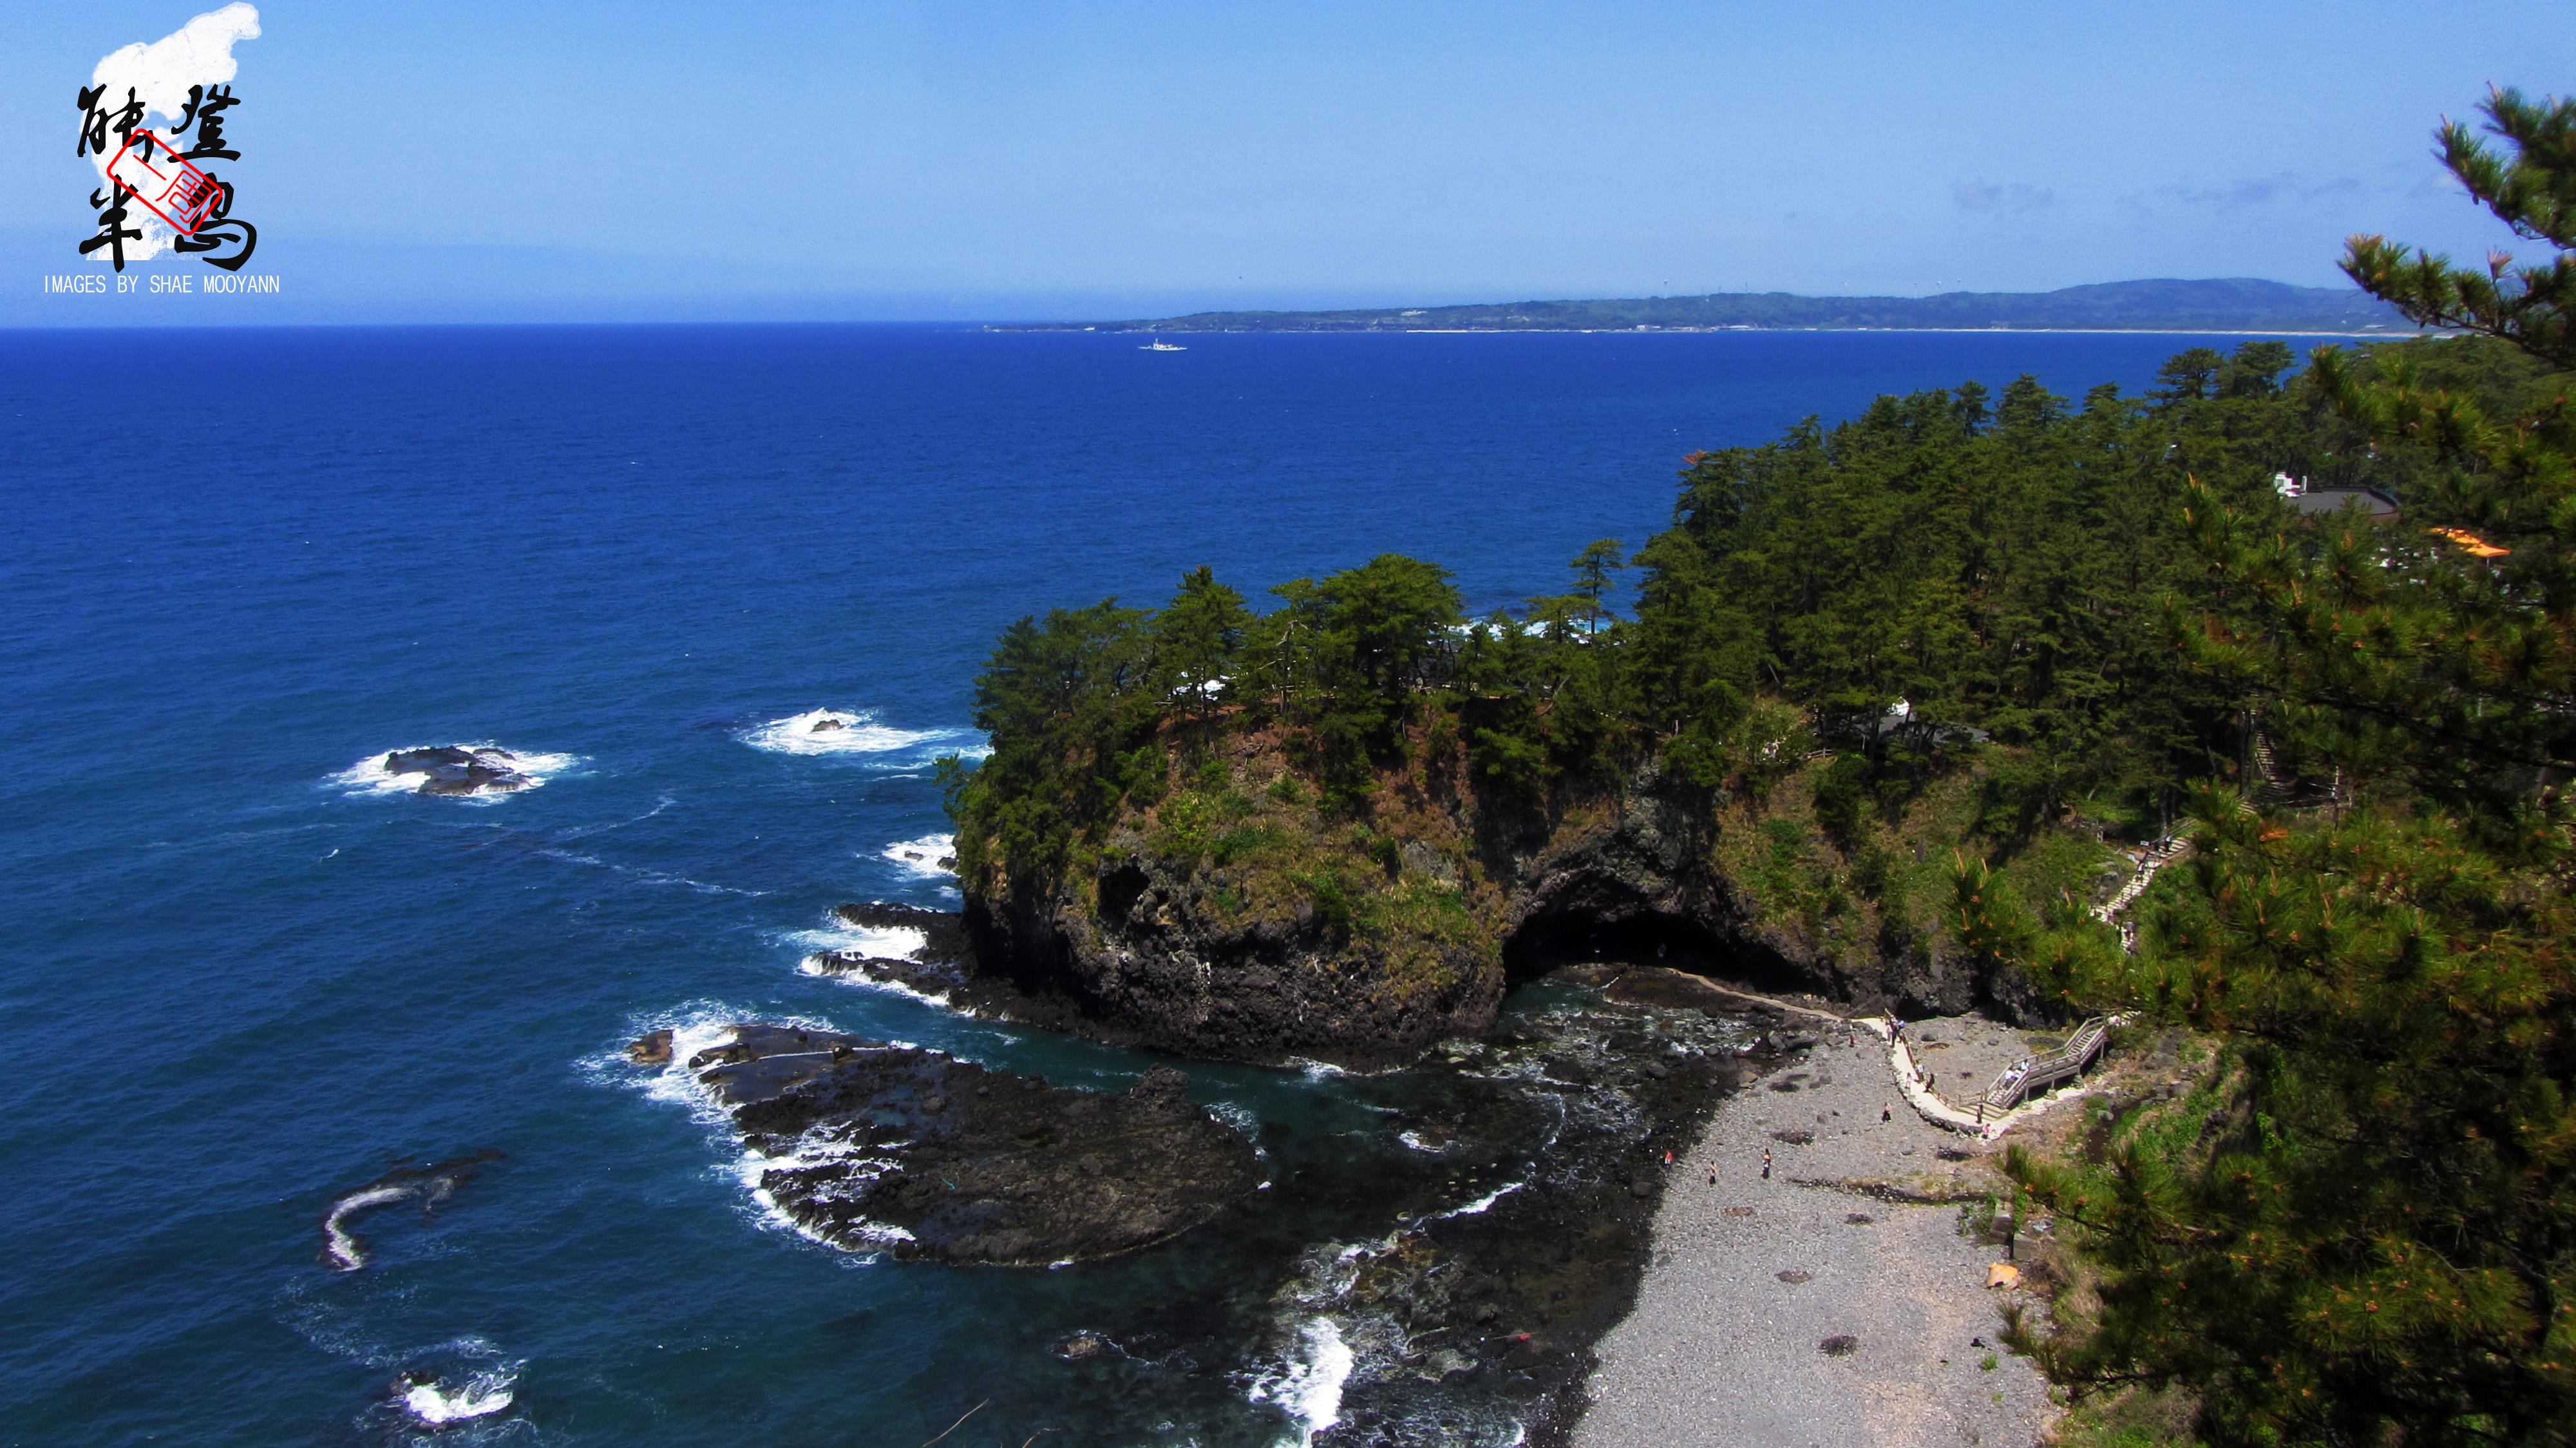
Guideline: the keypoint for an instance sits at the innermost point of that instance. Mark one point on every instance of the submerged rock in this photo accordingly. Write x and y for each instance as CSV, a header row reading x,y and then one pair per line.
x,y
913,1152
452,769
430,1184
1077,1347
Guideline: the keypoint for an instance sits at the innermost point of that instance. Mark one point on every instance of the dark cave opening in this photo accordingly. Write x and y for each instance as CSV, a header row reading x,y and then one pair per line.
x,y
1119,891
1553,939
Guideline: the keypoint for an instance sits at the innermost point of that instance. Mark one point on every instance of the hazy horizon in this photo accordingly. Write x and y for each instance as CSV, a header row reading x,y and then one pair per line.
x,y
1014,162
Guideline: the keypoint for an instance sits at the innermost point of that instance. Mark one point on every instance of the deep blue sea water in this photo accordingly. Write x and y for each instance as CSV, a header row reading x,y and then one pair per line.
x,y
242,984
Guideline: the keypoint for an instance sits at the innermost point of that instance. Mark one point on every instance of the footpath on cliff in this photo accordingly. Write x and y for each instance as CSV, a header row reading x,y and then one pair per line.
x,y
1839,1301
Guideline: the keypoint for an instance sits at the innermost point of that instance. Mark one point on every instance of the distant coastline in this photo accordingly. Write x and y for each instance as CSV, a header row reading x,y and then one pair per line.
x,y
1126,327
2221,307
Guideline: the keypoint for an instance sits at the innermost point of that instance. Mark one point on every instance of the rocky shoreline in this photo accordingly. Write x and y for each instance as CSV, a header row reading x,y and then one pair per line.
x,y
1570,1291
1518,1223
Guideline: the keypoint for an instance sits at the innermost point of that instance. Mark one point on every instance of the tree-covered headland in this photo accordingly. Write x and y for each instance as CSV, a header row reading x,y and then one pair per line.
x,y
1917,670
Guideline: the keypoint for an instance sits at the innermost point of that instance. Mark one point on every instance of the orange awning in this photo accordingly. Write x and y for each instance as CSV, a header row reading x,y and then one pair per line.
x,y
2470,543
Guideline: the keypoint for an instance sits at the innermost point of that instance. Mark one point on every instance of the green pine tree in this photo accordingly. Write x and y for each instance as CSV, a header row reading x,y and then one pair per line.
x,y
2365,1232
1198,642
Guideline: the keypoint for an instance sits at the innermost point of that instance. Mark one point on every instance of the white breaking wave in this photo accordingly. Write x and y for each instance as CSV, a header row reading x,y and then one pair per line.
x,y
1480,1205
831,731
898,942
813,965
921,858
812,1150
343,1247
479,1396
703,1027
700,1028
1315,1070
1310,1388
369,775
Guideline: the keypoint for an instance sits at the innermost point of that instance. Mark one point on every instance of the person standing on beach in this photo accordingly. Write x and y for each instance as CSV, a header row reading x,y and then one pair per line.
x,y
1766,1163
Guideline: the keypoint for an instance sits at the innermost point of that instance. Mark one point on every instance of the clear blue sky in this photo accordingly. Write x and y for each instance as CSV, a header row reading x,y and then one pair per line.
x,y
974,159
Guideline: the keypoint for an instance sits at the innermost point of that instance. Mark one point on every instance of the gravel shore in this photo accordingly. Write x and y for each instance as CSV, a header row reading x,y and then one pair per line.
x,y
1752,1277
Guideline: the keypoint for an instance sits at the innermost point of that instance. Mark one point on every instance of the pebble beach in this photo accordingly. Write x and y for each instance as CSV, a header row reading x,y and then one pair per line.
x,y
1821,1306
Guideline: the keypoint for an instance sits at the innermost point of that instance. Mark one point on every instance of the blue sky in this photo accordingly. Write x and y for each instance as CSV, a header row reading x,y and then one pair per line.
x,y
1034,159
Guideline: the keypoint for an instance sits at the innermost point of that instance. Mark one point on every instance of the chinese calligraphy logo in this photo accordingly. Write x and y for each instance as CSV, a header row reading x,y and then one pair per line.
x,y
154,193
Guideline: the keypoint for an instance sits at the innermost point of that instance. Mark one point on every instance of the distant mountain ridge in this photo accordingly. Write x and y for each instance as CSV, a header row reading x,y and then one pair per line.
x,y
2230,304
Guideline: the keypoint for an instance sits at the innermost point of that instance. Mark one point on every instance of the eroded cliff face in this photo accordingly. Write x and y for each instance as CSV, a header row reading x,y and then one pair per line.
x,y
1643,877
1155,949
1233,919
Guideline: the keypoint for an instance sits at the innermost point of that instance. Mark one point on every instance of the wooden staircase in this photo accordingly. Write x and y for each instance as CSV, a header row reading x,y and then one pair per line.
x,y
2033,1075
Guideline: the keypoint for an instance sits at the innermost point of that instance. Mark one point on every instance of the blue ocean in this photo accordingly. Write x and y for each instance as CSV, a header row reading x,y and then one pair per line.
x,y
249,978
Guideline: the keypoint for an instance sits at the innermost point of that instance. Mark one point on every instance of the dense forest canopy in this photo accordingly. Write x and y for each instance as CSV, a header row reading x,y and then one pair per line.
x,y
2361,1228
2003,566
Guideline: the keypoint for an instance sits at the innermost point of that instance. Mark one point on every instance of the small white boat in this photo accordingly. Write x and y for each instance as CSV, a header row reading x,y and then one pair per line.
x,y
1159,345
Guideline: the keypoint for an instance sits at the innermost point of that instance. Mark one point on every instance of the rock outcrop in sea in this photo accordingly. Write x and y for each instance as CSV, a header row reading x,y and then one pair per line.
x,y
913,1152
455,769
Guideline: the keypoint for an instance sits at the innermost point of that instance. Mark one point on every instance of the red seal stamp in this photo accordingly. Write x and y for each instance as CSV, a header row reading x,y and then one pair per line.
x,y
164,182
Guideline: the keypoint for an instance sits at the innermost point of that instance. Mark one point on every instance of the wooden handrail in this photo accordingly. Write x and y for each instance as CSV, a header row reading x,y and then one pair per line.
x,y
2024,1077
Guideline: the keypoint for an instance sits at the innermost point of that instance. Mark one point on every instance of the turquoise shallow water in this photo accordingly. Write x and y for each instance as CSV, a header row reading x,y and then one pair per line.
x,y
241,985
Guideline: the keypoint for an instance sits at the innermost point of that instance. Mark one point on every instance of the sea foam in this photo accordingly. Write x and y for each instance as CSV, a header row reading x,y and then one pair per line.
x,y
370,777
701,1027
834,731
814,965
921,858
895,942
480,1395
1480,1205
1310,1387
339,1244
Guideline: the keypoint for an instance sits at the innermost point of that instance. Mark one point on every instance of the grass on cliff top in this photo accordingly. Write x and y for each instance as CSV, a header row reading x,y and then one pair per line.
x,y
1272,852
1852,860
1879,880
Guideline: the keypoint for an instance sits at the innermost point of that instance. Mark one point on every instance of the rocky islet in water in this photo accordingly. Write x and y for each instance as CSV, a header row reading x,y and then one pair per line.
x,y
460,769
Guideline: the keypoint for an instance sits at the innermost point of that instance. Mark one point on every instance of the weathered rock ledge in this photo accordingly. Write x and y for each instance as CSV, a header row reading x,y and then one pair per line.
x,y
459,769
918,1154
